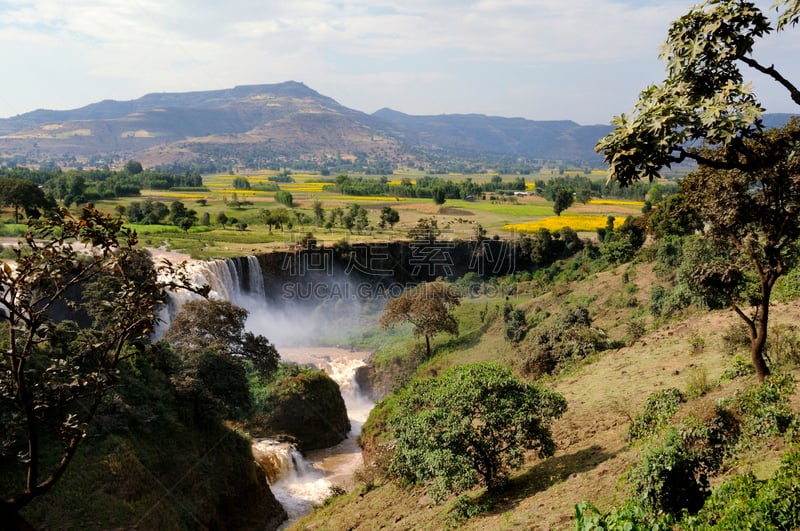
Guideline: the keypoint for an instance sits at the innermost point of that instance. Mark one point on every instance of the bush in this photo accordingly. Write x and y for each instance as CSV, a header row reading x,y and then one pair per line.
x,y
736,337
738,367
634,329
629,517
516,325
783,345
285,198
697,383
744,502
765,407
568,339
470,425
671,477
658,409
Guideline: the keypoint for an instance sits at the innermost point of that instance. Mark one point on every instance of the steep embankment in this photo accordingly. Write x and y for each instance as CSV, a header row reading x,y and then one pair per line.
x,y
156,460
604,393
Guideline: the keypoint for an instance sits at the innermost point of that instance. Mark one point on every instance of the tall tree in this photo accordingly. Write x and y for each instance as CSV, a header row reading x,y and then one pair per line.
x,y
759,220
389,216
207,324
704,111
562,199
55,373
428,307
23,194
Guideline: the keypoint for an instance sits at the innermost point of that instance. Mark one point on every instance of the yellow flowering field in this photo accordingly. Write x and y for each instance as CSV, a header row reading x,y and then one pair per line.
x,y
361,198
577,222
619,202
304,187
398,182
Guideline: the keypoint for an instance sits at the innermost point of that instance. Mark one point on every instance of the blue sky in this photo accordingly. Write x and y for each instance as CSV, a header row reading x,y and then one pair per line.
x,y
583,60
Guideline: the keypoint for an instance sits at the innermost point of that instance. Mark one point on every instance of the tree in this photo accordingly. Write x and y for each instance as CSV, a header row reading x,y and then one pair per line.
x,y
23,194
427,307
181,216
439,195
758,220
207,324
426,230
285,198
583,195
133,167
55,373
703,99
222,219
241,183
319,213
542,247
562,199
389,216
703,111
471,425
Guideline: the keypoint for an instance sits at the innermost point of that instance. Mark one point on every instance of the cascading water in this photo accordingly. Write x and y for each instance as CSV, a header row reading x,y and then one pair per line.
x,y
298,482
301,490
237,280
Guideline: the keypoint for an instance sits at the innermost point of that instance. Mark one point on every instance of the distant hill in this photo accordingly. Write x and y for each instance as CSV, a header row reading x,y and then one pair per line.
x,y
476,133
283,124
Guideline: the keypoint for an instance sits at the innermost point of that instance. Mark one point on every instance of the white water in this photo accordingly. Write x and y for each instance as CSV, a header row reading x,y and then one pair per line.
x,y
309,483
302,482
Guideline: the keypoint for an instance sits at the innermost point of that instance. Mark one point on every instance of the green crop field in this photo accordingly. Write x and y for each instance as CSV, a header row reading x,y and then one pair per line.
x,y
245,232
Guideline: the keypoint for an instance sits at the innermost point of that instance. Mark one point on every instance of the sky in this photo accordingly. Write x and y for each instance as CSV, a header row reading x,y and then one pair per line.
x,y
581,60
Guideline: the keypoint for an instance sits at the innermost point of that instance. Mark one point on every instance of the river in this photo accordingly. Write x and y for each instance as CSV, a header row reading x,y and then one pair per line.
x,y
305,481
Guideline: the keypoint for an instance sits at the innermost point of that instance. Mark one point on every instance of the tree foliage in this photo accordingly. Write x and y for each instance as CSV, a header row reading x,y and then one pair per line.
x,y
562,199
471,425
63,343
389,216
756,226
747,189
703,98
25,195
427,307
207,324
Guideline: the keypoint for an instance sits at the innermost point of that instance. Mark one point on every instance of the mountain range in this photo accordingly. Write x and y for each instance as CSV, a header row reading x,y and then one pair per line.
x,y
284,124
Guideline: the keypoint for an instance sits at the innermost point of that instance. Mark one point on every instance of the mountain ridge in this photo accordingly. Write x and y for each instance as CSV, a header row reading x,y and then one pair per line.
x,y
285,124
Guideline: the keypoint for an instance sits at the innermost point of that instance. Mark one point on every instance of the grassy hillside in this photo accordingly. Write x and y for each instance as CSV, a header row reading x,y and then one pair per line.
x,y
694,352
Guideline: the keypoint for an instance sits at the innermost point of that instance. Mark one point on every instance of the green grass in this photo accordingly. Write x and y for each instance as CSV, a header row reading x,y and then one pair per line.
x,y
501,208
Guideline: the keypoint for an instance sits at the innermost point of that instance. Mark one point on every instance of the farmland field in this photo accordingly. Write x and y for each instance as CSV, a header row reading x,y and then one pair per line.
x,y
503,215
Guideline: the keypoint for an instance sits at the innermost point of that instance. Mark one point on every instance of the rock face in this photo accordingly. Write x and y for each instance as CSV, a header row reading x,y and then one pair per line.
x,y
251,506
308,409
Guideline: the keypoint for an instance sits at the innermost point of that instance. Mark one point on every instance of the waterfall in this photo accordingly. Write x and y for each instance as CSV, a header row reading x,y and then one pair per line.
x,y
302,489
299,483
236,280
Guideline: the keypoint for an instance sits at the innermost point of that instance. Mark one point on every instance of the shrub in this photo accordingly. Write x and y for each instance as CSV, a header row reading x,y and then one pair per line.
x,y
744,502
470,425
630,516
738,367
697,383
568,339
765,407
634,329
285,198
736,337
671,477
516,325
658,409
783,344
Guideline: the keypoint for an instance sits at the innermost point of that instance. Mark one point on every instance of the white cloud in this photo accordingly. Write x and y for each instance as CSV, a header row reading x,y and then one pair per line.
x,y
413,55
